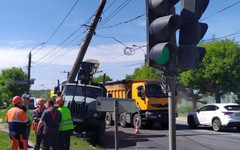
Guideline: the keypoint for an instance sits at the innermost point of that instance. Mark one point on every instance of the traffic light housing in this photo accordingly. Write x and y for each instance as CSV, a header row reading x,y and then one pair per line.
x,y
191,32
161,39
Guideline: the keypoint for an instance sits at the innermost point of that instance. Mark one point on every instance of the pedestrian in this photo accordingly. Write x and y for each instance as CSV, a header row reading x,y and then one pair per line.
x,y
66,125
37,114
17,121
50,119
25,107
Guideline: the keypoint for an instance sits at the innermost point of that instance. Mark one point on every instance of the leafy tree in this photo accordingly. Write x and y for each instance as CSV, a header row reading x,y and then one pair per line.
x,y
144,72
218,72
100,79
40,93
8,86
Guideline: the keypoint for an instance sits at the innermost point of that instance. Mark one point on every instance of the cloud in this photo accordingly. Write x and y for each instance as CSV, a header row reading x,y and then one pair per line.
x,y
16,43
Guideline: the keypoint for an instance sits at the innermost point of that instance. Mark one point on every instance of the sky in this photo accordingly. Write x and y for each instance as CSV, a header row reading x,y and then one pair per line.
x,y
53,31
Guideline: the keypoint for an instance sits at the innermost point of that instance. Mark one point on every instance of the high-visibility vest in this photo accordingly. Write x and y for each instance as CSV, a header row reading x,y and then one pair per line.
x,y
17,120
28,113
66,122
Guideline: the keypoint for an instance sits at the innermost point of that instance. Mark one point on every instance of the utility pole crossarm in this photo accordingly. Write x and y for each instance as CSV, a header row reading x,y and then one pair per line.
x,y
85,44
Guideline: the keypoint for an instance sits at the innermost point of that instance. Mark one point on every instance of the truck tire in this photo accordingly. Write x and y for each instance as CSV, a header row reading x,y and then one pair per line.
x,y
122,120
137,120
108,119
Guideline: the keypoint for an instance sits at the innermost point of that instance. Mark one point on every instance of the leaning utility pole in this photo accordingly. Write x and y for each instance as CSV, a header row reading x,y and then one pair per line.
x,y
84,46
29,72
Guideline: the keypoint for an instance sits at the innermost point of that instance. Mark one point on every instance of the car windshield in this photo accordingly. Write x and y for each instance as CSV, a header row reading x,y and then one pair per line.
x,y
91,91
232,107
154,90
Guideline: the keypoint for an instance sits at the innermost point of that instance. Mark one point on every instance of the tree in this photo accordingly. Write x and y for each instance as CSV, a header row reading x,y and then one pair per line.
x,y
144,72
8,86
100,79
218,72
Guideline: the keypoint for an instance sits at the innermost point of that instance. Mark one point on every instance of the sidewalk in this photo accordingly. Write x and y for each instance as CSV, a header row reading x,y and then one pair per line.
x,y
4,128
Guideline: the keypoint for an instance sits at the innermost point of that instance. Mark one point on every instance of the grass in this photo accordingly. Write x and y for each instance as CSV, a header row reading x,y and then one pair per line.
x,y
5,141
81,144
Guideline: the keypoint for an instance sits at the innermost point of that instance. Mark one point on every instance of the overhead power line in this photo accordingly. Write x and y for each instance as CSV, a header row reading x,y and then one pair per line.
x,y
126,66
124,22
115,12
58,26
222,37
220,10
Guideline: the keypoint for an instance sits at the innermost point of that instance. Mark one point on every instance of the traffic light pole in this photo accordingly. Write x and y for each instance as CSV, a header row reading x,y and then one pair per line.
x,y
171,80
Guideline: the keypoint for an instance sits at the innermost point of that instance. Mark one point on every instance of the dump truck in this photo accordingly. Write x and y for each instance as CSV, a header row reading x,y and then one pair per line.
x,y
150,98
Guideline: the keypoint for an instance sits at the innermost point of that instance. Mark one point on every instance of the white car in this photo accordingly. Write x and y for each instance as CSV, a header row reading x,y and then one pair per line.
x,y
216,115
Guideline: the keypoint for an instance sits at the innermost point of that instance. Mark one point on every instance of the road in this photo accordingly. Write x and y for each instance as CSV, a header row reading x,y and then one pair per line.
x,y
156,138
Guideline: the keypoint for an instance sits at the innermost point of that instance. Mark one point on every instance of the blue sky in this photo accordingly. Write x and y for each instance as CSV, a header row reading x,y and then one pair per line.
x,y
27,23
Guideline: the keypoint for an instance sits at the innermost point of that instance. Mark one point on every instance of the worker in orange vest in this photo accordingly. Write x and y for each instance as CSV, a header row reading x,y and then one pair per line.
x,y
37,114
17,121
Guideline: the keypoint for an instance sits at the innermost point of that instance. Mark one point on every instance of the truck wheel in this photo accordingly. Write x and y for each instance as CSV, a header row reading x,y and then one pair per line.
x,y
108,119
122,120
216,125
137,120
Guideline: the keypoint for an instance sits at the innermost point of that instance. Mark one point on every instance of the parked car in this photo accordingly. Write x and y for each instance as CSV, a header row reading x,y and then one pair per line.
x,y
216,115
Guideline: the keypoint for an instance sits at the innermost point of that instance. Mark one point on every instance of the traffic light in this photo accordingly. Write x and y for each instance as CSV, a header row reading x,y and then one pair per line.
x,y
191,32
162,22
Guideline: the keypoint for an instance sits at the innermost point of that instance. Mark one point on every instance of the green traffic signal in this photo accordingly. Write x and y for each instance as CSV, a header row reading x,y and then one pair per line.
x,y
164,57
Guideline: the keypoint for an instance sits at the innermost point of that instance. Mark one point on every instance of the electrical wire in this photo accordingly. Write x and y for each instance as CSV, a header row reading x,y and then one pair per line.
x,y
124,22
220,10
222,37
58,27
124,4
73,33
126,66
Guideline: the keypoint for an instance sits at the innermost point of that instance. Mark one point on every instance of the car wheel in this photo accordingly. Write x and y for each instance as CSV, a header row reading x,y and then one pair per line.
x,y
122,120
191,122
137,121
108,119
216,125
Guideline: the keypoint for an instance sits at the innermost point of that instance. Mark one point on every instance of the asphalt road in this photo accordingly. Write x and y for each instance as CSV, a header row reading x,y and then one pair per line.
x,y
203,138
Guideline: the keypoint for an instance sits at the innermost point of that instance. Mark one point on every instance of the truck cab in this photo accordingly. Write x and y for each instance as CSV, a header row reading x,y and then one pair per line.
x,y
81,100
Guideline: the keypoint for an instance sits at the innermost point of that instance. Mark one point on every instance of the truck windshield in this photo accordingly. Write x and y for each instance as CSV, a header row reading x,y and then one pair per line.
x,y
91,91
154,90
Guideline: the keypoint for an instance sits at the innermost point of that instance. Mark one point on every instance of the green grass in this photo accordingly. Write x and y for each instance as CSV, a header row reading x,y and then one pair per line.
x,y
5,141
81,144
3,113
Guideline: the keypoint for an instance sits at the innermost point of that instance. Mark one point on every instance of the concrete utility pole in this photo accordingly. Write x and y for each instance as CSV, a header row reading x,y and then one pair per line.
x,y
84,46
29,71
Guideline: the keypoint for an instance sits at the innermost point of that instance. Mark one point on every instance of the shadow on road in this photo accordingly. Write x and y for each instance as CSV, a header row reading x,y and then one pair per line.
x,y
126,139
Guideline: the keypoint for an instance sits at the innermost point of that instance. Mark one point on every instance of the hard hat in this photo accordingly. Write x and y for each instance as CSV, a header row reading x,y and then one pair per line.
x,y
16,100
59,100
25,96
40,101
